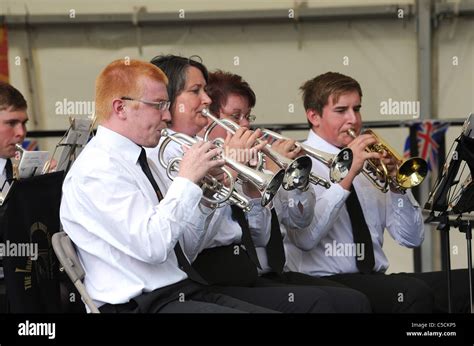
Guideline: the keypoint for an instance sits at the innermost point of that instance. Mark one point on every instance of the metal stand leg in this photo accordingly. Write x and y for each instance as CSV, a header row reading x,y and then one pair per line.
x,y
467,228
444,228
448,270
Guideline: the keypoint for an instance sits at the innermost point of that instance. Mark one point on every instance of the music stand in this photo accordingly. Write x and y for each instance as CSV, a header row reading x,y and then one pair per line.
x,y
452,213
73,141
30,164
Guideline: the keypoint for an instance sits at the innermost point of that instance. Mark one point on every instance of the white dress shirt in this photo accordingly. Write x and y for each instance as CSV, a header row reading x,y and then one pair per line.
x,y
125,238
295,210
331,226
3,164
3,177
4,187
220,229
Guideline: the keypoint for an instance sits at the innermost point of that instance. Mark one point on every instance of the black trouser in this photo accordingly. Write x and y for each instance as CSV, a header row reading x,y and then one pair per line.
x,y
390,293
232,273
438,283
410,292
344,299
183,297
283,298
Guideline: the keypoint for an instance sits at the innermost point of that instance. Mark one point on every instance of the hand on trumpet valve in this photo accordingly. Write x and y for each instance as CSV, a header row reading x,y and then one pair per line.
x,y
361,153
212,181
198,160
285,147
391,163
288,148
241,146
221,176
53,165
50,166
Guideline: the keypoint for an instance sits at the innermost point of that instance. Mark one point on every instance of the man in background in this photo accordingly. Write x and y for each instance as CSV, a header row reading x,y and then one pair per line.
x,y
13,119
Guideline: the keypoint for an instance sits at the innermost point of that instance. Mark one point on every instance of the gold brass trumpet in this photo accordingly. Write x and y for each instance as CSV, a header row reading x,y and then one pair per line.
x,y
20,150
267,184
296,172
410,172
339,164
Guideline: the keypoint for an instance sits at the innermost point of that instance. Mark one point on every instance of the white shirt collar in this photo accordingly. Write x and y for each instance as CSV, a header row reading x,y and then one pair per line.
x,y
3,163
115,142
321,144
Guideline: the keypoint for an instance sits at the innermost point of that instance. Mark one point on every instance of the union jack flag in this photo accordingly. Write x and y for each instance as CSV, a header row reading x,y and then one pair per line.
x,y
30,145
428,135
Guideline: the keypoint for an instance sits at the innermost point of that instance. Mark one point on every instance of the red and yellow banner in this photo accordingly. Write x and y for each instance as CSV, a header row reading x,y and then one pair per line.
x,y
3,54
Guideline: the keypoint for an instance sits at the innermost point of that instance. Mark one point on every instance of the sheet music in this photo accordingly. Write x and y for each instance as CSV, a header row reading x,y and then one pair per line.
x,y
79,132
32,163
77,137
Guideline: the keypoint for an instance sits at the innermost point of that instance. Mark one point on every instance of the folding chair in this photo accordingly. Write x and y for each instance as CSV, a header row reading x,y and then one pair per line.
x,y
67,256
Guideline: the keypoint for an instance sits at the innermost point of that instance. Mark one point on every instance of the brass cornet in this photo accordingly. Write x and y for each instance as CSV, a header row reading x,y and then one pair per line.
x,y
20,150
6,183
410,172
296,172
267,184
339,164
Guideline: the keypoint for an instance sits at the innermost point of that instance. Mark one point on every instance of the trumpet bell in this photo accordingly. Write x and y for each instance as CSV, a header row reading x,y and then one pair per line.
x,y
341,165
412,172
297,174
272,187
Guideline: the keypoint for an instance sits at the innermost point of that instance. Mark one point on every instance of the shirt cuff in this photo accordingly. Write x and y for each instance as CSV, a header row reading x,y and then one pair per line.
x,y
339,194
404,198
184,189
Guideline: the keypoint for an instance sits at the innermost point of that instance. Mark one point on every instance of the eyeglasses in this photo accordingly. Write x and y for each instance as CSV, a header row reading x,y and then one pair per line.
x,y
160,105
237,117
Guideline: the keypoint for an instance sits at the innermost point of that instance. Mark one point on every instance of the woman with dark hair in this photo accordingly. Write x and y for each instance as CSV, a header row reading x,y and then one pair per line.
x,y
224,253
232,98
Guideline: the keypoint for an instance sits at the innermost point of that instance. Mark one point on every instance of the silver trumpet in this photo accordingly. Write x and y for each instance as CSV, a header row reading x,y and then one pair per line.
x,y
296,172
339,164
267,184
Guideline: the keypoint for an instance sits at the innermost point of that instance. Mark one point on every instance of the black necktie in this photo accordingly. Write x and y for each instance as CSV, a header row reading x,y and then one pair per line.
x,y
9,169
275,248
183,262
9,175
142,160
361,233
239,216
